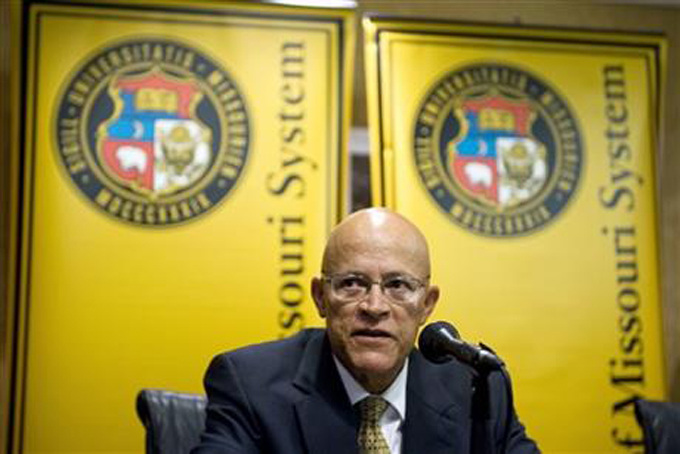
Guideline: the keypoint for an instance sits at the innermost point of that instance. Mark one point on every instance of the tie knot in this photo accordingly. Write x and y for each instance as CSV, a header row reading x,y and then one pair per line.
x,y
372,408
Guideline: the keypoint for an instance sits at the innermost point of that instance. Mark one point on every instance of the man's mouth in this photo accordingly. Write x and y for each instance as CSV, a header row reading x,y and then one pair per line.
x,y
372,333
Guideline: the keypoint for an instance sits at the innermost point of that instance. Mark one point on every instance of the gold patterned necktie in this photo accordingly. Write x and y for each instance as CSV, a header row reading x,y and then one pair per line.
x,y
371,440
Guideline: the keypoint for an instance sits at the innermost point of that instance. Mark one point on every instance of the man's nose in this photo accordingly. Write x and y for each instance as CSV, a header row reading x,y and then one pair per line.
x,y
376,302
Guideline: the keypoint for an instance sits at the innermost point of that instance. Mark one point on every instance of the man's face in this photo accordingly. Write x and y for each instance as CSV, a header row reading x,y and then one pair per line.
x,y
373,335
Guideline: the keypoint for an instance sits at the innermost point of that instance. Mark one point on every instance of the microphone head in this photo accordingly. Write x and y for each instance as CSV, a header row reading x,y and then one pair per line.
x,y
430,341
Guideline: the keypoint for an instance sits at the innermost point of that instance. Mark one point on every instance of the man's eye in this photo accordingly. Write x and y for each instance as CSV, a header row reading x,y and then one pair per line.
x,y
350,282
400,284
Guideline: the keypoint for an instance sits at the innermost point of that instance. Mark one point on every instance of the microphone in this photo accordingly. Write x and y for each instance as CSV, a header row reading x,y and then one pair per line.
x,y
440,341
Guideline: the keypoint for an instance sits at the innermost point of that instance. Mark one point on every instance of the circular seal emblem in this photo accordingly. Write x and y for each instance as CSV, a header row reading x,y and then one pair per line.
x,y
152,131
498,149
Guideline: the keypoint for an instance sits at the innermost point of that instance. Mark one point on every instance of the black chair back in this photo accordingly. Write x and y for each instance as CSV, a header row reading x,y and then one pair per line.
x,y
173,421
660,422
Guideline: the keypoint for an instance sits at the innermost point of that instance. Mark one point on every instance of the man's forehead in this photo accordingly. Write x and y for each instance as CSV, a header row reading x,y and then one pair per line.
x,y
373,262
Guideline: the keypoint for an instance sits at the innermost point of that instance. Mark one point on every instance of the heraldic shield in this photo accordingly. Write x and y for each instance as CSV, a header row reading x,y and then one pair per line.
x,y
495,159
154,144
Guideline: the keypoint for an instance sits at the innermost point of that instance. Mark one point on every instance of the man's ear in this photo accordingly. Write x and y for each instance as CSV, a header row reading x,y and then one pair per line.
x,y
429,303
317,295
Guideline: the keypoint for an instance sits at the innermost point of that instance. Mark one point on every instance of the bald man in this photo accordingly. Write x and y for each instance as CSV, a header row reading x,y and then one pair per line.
x,y
358,386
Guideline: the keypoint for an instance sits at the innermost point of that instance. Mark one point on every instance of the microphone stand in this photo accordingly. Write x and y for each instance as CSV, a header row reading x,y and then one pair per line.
x,y
482,439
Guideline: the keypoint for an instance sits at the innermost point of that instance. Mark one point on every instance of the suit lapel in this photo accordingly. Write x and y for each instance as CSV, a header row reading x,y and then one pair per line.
x,y
437,413
324,412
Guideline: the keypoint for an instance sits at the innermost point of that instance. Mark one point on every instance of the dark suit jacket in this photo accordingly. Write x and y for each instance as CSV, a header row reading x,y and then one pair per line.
x,y
286,397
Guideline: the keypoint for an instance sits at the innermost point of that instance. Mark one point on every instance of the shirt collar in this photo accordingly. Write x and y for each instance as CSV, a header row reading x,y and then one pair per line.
x,y
395,394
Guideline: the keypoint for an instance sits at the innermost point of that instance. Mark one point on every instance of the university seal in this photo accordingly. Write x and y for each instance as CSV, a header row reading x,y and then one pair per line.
x,y
498,149
152,131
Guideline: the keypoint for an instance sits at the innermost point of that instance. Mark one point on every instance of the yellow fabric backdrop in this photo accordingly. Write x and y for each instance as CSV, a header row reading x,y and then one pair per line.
x,y
527,157
118,297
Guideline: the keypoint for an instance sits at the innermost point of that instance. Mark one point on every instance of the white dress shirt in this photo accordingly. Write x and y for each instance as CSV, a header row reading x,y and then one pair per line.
x,y
392,420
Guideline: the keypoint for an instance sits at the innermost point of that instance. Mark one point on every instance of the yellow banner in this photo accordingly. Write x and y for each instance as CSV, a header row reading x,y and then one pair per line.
x,y
527,157
184,164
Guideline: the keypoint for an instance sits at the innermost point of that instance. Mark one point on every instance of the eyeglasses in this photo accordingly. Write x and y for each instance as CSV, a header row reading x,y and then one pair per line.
x,y
351,287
